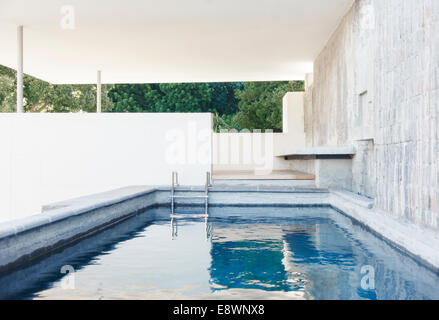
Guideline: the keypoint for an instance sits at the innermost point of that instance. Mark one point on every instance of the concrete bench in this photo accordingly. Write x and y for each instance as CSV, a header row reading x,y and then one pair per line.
x,y
319,152
332,166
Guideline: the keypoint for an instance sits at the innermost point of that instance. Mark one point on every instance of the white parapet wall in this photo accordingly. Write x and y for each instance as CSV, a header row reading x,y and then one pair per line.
x,y
293,119
45,158
245,150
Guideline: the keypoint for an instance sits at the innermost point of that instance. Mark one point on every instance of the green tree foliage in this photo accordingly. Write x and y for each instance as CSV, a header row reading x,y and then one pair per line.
x,y
225,122
260,104
7,90
154,98
132,98
253,105
223,97
183,97
41,96
176,97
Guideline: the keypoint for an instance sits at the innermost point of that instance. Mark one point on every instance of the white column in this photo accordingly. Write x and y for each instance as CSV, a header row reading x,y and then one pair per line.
x,y
293,118
99,94
20,69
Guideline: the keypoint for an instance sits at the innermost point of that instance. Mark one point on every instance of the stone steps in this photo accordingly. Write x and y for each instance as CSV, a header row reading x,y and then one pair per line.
x,y
261,175
281,178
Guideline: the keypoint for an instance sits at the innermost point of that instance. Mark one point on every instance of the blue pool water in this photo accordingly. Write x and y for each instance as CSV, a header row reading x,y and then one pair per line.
x,y
244,253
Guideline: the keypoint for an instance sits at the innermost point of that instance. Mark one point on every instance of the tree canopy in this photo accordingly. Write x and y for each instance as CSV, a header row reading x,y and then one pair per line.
x,y
176,97
41,96
235,105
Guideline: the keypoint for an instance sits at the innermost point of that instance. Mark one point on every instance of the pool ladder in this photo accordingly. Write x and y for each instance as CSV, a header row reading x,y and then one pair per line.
x,y
204,195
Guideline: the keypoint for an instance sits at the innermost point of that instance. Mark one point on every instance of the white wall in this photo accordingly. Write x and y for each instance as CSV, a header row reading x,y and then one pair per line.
x,y
46,158
243,150
293,119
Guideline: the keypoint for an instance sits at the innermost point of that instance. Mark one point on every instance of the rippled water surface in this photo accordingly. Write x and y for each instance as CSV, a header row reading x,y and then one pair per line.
x,y
244,253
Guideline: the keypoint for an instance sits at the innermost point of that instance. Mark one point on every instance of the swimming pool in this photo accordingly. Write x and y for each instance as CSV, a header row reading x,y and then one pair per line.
x,y
237,253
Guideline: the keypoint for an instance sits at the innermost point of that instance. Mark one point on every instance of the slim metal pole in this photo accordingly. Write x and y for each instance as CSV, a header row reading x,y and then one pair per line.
x,y
20,108
99,93
206,193
172,193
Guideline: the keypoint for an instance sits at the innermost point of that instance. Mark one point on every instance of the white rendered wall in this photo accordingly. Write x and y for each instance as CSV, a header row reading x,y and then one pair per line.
x,y
249,151
46,158
293,116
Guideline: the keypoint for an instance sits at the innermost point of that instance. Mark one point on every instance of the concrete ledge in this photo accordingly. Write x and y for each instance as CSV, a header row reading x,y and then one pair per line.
x,y
319,151
332,166
266,183
270,175
362,201
66,209
27,239
417,242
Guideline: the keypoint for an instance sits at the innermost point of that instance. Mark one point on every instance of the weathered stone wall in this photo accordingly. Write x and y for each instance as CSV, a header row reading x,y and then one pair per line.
x,y
376,85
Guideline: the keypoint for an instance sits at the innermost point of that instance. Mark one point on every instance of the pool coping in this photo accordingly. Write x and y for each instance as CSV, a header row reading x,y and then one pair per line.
x,y
98,211
416,241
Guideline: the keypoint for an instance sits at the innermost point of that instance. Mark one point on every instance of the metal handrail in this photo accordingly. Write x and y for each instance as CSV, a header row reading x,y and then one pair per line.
x,y
174,184
207,192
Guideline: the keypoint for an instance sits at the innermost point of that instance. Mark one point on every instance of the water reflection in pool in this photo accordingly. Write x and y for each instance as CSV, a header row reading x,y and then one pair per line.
x,y
238,253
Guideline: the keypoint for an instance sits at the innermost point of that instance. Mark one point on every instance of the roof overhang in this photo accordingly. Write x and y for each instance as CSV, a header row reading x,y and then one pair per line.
x,y
146,41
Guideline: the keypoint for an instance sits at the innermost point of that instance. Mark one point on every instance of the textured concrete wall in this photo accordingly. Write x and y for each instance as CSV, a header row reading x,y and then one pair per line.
x,y
376,85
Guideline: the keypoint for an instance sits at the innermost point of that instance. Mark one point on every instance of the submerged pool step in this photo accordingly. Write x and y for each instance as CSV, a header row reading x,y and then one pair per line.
x,y
179,215
189,197
193,197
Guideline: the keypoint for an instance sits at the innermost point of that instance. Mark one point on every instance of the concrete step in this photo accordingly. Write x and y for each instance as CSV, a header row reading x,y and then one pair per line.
x,y
189,197
261,175
276,178
264,183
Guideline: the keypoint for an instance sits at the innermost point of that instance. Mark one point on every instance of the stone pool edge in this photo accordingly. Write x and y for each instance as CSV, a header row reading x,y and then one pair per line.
x,y
68,221
413,240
